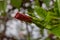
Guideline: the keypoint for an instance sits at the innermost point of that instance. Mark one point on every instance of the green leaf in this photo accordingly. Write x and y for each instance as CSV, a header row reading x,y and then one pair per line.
x,y
46,2
3,5
41,12
58,4
3,14
57,7
16,3
47,38
48,17
37,3
56,31
48,26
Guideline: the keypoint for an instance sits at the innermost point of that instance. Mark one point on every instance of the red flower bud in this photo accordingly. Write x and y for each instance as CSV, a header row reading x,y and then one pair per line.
x,y
23,17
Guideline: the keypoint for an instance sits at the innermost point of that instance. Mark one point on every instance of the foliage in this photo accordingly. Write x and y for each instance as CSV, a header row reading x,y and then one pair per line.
x,y
48,19
16,3
51,18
